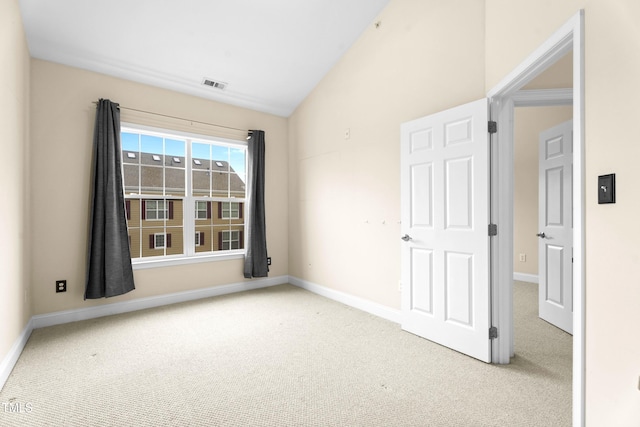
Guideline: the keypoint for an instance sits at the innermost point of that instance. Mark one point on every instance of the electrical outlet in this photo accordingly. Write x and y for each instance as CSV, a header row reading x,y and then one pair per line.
x,y
268,260
523,257
61,286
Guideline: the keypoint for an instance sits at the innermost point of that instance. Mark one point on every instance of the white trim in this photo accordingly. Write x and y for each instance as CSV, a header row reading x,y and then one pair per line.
x,y
60,317
524,277
569,37
172,260
393,315
554,48
543,97
12,357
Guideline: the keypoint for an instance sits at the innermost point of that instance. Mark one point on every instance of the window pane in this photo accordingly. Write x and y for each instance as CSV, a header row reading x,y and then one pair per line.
x,y
237,162
152,180
148,242
151,145
131,179
220,154
201,152
134,242
200,183
174,182
174,148
220,184
130,142
205,238
237,179
176,244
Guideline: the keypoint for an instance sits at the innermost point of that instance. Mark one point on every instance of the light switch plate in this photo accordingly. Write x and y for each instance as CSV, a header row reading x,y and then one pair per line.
x,y
607,189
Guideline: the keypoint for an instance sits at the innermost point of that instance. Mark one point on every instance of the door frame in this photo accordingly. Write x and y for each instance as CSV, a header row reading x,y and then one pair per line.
x,y
504,98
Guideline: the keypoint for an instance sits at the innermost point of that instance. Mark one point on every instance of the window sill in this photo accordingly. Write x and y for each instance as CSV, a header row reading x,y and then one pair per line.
x,y
184,260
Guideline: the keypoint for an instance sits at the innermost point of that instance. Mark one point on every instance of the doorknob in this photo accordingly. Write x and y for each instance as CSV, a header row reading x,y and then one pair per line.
x,y
406,238
541,235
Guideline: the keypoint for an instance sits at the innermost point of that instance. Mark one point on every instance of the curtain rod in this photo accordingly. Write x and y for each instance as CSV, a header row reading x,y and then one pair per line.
x,y
179,118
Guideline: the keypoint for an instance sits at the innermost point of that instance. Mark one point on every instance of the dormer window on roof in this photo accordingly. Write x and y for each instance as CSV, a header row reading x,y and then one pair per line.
x,y
131,155
197,162
156,157
219,164
176,159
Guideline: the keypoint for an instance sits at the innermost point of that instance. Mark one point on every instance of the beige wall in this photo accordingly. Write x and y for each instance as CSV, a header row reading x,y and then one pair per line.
x,y
343,207
345,193
15,307
430,55
612,42
613,231
62,119
528,124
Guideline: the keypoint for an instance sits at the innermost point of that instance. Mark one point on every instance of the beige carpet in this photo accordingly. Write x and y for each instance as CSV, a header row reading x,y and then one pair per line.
x,y
281,357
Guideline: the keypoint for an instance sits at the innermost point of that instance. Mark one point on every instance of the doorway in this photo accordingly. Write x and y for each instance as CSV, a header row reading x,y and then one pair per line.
x,y
504,98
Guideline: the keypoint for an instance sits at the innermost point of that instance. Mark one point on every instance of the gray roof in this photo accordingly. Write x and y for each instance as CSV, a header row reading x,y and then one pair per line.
x,y
217,175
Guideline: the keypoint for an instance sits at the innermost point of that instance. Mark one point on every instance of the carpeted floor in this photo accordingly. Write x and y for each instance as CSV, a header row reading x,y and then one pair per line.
x,y
281,356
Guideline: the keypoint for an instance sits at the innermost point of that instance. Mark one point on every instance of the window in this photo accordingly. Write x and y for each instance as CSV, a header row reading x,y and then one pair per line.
x,y
230,210
203,209
158,241
173,182
156,209
230,240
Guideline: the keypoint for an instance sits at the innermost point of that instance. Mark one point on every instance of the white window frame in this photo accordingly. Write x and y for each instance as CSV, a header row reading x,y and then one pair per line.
x,y
188,201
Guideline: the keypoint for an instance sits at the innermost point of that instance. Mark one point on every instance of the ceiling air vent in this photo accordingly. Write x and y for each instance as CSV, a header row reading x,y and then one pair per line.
x,y
214,83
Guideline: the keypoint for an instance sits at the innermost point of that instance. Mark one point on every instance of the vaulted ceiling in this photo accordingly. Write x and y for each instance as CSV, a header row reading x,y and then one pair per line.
x,y
269,53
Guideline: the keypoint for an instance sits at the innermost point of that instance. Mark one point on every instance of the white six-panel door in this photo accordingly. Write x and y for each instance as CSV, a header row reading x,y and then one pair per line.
x,y
555,243
445,217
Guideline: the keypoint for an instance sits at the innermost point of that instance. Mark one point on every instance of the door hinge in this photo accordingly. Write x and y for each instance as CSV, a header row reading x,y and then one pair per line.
x,y
493,230
493,127
493,332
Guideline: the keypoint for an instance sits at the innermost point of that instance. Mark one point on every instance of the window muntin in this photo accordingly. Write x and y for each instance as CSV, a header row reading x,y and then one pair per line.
x,y
176,183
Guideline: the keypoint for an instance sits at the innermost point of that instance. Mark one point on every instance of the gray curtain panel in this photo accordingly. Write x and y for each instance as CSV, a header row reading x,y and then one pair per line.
x,y
109,271
255,261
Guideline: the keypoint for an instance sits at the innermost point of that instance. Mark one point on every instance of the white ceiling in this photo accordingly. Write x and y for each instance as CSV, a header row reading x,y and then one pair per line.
x,y
272,53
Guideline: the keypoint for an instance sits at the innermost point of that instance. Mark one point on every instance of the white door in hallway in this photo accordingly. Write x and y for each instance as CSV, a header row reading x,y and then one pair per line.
x,y
445,217
555,243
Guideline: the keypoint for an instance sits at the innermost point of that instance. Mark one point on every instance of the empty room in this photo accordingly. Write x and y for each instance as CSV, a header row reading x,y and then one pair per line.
x,y
317,213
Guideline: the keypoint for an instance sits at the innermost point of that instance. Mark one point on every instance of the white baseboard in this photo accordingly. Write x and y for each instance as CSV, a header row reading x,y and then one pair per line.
x,y
376,309
60,317
11,358
524,277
